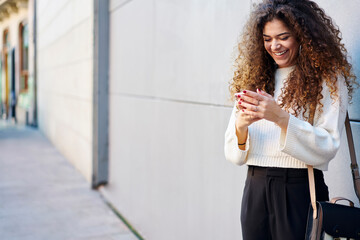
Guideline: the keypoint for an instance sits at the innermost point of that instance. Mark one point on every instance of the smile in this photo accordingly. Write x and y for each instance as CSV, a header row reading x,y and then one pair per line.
x,y
280,53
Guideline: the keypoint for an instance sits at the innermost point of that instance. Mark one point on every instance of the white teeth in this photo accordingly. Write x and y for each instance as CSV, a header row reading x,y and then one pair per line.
x,y
281,53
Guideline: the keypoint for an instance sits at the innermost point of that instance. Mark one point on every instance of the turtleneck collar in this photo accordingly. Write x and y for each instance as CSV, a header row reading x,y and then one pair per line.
x,y
286,70
282,73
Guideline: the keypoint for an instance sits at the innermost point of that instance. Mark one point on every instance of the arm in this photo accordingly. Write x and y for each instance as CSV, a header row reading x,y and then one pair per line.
x,y
318,144
231,148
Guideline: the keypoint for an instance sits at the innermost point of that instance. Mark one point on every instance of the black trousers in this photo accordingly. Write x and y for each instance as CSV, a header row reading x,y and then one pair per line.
x,y
276,202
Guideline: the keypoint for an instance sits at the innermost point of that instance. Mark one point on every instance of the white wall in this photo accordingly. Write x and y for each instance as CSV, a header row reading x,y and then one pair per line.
x,y
65,77
170,62
169,70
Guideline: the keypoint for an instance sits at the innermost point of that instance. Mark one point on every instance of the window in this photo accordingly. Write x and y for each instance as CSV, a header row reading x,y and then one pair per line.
x,y
6,47
24,56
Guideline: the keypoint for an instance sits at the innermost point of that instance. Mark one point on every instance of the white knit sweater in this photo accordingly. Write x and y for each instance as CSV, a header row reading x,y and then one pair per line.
x,y
268,146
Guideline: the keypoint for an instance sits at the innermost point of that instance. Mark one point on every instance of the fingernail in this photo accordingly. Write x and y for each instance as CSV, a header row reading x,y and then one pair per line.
x,y
239,102
242,110
244,91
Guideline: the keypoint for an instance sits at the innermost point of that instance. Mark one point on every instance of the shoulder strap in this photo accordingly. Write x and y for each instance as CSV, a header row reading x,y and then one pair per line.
x,y
354,166
311,174
312,190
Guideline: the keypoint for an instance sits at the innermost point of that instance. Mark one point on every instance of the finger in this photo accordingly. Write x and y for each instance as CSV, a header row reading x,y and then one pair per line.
x,y
250,100
245,116
248,118
264,93
239,104
254,115
238,95
239,108
254,95
249,106
242,115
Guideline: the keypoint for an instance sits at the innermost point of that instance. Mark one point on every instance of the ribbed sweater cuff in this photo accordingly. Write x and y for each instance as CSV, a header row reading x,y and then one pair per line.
x,y
289,138
232,150
298,144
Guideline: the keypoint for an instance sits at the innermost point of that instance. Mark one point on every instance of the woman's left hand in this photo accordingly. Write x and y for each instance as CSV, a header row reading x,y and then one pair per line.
x,y
262,105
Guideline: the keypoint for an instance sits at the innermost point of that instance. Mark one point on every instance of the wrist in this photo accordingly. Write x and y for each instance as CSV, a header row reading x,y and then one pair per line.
x,y
283,119
241,128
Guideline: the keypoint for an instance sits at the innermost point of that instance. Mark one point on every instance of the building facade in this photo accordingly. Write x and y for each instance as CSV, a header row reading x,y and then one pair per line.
x,y
135,94
17,83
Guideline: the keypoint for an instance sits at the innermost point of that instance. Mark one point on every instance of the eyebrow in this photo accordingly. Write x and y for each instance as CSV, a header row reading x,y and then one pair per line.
x,y
277,35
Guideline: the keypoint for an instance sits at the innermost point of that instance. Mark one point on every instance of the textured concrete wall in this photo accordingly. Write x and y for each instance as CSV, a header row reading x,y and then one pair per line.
x,y
169,67
65,63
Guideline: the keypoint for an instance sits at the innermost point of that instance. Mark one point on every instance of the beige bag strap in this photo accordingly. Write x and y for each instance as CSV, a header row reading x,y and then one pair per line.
x,y
312,190
311,174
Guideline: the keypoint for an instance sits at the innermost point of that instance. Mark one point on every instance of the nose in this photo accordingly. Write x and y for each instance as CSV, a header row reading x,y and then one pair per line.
x,y
275,45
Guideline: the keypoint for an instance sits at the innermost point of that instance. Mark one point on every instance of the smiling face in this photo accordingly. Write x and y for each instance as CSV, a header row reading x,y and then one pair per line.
x,y
280,43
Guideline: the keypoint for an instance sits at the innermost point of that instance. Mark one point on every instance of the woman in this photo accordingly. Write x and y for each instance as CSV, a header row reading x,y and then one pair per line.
x,y
292,85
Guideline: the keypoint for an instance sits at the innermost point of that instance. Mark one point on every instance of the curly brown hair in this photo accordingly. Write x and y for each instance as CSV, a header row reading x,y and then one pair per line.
x,y
323,57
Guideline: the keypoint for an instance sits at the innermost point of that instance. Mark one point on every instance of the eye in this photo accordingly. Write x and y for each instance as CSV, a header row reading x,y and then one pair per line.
x,y
284,38
267,39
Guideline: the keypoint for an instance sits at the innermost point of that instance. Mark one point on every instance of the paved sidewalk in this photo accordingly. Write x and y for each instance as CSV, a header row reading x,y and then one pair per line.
x,y
42,196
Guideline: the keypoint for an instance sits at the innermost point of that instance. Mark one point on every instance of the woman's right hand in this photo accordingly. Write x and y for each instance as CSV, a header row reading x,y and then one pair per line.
x,y
243,120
